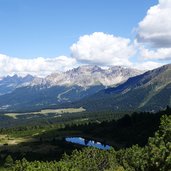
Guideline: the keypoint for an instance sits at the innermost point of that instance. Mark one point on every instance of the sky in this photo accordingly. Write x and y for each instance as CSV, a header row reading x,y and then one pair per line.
x,y
39,37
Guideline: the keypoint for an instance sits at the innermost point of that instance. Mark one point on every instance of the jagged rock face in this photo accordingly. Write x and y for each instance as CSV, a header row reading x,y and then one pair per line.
x,y
83,76
150,91
86,76
10,83
61,87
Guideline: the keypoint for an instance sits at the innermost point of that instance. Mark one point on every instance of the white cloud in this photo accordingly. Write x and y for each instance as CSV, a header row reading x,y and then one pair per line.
x,y
98,48
154,33
37,66
155,28
153,43
102,49
148,65
160,53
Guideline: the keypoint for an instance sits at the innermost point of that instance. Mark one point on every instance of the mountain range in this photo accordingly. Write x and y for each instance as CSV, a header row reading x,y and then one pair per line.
x,y
116,89
34,93
87,76
150,91
10,83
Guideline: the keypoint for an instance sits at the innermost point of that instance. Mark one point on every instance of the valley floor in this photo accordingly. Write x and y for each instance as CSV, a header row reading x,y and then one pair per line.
x,y
33,145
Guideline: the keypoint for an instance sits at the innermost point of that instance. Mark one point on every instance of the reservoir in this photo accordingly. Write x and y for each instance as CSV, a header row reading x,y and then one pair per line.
x,y
85,142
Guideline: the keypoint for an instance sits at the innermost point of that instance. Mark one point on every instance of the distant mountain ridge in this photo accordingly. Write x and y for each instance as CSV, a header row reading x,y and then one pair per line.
x,y
10,83
64,87
87,76
150,91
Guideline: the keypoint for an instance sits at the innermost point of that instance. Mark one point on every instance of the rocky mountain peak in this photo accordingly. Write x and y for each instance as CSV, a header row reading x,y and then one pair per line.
x,y
10,83
88,75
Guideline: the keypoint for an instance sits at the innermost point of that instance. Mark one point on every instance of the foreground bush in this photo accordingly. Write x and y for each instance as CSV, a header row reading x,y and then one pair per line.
x,y
155,156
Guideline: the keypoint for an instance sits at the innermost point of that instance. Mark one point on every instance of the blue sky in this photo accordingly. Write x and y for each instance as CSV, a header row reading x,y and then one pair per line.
x,y
33,28
43,36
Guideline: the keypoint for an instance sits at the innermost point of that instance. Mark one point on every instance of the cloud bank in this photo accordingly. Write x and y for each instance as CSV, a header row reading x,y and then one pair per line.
x,y
160,53
103,49
150,49
37,66
96,49
155,28
148,65
154,32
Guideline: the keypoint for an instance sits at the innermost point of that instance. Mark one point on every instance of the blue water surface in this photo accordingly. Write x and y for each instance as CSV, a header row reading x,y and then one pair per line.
x,y
85,142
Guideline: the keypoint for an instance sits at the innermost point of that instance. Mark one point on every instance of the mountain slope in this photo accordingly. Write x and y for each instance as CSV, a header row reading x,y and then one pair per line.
x,y
66,87
36,98
149,91
10,83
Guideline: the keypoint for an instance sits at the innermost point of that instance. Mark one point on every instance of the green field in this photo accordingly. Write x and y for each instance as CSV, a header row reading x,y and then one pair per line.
x,y
55,112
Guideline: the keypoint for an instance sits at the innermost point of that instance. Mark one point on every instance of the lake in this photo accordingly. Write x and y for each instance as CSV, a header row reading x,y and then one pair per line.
x,y
85,142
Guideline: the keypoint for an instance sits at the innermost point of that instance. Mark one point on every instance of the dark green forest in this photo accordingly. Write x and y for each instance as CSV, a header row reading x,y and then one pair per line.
x,y
140,141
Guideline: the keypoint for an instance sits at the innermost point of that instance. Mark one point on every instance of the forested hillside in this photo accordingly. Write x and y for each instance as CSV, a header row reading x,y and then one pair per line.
x,y
156,155
150,91
137,151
